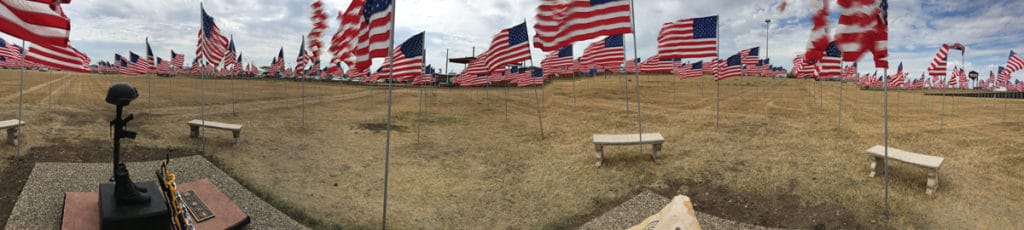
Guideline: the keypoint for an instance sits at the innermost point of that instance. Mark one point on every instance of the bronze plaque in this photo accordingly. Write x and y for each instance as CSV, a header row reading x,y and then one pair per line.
x,y
196,207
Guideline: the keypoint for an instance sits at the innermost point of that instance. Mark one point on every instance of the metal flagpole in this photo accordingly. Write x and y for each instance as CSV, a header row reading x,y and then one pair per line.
x,y
718,85
885,89
767,27
942,111
639,120
839,114
574,91
423,100
149,82
49,98
202,108
540,100
21,100
387,143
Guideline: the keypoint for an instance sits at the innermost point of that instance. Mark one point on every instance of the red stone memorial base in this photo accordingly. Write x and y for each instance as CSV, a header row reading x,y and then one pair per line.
x,y
82,210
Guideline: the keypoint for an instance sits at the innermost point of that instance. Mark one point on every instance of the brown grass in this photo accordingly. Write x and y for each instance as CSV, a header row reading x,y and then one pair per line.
x,y
776,158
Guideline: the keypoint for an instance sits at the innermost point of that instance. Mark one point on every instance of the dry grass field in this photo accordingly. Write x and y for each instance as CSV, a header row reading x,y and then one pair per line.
x,y
776,159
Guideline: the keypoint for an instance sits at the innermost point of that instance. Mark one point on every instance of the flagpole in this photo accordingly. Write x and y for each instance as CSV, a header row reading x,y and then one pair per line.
x,y
839,113
639,120
387,143
718,85
49,98
423,100
21,100
540,100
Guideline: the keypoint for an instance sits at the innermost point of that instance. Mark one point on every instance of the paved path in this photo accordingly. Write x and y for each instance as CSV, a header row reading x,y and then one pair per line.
x,y
41,201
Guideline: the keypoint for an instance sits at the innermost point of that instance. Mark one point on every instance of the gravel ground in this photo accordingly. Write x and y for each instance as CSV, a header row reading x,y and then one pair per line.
x,y
41,201
647,203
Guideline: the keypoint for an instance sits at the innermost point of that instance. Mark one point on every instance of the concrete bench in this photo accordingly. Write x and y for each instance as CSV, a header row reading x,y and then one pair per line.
x,y
195,124
932,163
13,127
600,140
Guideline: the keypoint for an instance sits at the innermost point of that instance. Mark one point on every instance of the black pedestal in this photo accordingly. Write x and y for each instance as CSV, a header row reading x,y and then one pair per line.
x,y
154,215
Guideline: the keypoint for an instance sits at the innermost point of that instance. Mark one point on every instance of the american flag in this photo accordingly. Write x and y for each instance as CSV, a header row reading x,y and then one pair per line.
x,y
692,70
177,60
427,78
162,67
149,58
1013,64
897,80
475,68
850,72
819,38
605,52
712,66
318,18
229,61
9,50
749,56
508,46
62,57
364,33
536,78
559,59
353,73
38,22
730,68
136,65
238,64
122,64
801,68
656,64
212,46
301,59
954,78
830,65
938,65
689,38
863,27
407,59
562,22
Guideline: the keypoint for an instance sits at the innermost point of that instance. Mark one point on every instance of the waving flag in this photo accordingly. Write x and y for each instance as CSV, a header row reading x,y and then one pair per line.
x,y
607,52
656,64
689,38
177,60
631,65
863,27
318,18
149,58
536,78
1013,64
830,65
301,60
749,56
897,80
162,67
938,65
137,64
819,38
692,71
59,57
475,68
407,60
9,50
212,46
364,33
122,65
562,22
508,46
39,21
558,59
729,68
229,61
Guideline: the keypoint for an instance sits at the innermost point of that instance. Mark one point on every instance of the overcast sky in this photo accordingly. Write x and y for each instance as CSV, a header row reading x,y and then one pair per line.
x,y
917,28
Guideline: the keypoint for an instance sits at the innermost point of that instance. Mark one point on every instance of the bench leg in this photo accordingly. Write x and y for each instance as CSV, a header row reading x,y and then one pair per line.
x,y
656,153
599,152
877,166
933,181
12,136
194,131
237,135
